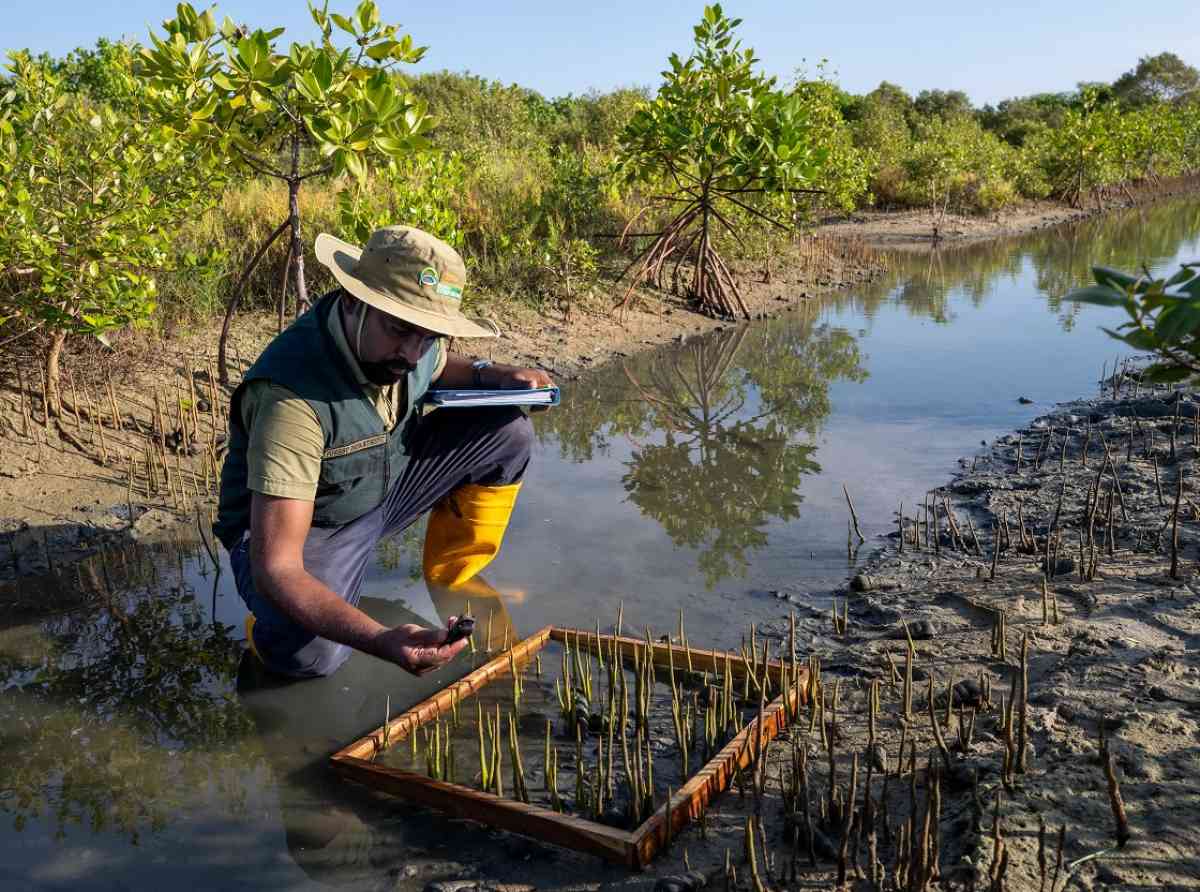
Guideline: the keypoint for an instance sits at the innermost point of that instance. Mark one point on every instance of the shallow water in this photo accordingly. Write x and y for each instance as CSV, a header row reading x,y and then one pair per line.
x,y
705,476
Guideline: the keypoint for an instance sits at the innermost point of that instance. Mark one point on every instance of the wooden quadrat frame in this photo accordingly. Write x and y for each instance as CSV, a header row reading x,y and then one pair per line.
x,y
633,848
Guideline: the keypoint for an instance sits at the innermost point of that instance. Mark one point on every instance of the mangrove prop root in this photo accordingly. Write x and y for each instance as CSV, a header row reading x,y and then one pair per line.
x,y
1114,791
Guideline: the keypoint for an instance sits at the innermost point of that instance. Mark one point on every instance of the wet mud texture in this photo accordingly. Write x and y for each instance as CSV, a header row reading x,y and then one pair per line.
x,y
1103,644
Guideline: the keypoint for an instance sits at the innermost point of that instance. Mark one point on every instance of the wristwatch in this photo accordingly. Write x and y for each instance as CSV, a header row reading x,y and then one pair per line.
x,y
477,368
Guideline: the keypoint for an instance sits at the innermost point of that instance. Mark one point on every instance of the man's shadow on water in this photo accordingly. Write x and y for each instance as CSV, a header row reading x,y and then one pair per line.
x,y
340,832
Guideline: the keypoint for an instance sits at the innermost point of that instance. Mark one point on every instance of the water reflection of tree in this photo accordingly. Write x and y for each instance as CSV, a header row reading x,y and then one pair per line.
x,y
1060,258
1146,236
114,716
730,407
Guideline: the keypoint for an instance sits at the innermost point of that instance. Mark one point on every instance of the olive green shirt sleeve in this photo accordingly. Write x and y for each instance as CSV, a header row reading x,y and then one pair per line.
x,y
285,442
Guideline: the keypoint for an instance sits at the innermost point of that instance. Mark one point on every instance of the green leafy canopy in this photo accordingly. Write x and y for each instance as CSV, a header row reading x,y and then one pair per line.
x,y
90,199
717,120
1164,316
245,95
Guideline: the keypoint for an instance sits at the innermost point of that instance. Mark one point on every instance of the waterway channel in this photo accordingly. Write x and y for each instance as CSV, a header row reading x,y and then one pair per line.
x,y
137,751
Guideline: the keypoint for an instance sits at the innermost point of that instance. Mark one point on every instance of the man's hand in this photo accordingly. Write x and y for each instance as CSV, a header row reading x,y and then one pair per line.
x,y
520,379
418,650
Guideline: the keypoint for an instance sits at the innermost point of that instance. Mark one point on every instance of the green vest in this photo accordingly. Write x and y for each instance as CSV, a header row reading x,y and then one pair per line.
x,y
362,459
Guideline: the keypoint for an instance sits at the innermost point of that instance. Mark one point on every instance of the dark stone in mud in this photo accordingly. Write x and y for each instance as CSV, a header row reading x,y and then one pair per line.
x,y
684,882
970,487
864,582
922,630
968,693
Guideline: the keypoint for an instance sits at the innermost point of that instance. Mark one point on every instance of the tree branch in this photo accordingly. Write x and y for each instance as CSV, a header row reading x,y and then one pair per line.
x,y
756,213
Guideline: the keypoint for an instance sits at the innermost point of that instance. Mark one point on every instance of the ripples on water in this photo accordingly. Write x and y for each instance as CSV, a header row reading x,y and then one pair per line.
x,y
704,476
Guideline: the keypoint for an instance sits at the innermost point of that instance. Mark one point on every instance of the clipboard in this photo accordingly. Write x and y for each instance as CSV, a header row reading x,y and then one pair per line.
x,y
444,398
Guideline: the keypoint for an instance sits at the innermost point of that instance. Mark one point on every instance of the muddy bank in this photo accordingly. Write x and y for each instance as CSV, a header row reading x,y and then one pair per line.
x,y
921,230
1112,640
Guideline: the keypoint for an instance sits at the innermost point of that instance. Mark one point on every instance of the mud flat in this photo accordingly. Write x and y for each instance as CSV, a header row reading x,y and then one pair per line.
x,y
1039,664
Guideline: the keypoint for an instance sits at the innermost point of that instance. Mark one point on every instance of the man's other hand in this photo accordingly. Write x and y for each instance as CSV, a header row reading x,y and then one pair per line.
x,y
521,379
419,650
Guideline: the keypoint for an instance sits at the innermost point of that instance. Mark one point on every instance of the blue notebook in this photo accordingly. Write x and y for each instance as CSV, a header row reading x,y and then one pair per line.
x,y
465,399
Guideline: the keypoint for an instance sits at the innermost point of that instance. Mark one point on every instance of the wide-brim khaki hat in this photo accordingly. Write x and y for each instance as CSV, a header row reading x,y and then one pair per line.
x,y
409,274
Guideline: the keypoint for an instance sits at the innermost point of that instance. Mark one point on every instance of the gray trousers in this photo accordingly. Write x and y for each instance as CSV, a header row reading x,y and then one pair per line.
x,y
450,447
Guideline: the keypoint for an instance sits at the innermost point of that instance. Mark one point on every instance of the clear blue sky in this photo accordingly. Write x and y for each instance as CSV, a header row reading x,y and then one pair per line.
x,y
990,51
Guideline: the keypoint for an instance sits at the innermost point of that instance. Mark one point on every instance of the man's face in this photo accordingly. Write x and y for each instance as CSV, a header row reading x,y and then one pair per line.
x,y
388,348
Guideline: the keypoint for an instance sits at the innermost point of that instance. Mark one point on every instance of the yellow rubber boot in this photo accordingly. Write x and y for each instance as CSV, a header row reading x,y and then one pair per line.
x,y
465,530
250,636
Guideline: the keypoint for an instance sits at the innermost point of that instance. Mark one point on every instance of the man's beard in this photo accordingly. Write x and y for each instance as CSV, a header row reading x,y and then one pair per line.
x,y
383,374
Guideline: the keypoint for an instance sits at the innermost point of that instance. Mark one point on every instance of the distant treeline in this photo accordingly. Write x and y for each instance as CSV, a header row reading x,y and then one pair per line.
x,y
521,183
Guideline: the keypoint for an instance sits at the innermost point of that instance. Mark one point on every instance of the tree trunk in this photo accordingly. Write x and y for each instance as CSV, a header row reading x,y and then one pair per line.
x,y
283,284
236,298
54,374
294,219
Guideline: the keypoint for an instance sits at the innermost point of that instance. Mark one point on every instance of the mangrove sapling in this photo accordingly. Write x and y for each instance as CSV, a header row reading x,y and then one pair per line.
x,y
937,728
751,856
847,822
956,537
908,683
518,767
1037,461
1000,634
853,514
995,550
978,549
966,729
1175,525
1114,789
1023,712
764,151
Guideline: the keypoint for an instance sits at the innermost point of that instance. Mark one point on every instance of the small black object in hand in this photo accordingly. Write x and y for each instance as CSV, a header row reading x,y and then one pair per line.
x,y
462,628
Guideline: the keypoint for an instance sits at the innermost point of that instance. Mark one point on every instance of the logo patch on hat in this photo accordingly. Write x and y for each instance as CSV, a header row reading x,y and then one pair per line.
x,y
453,291
428,276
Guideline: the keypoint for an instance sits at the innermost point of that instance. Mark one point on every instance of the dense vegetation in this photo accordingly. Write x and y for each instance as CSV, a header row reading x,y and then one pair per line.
x,y
533,190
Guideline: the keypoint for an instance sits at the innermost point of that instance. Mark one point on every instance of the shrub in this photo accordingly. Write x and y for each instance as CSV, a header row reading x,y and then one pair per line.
x,y
845,175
